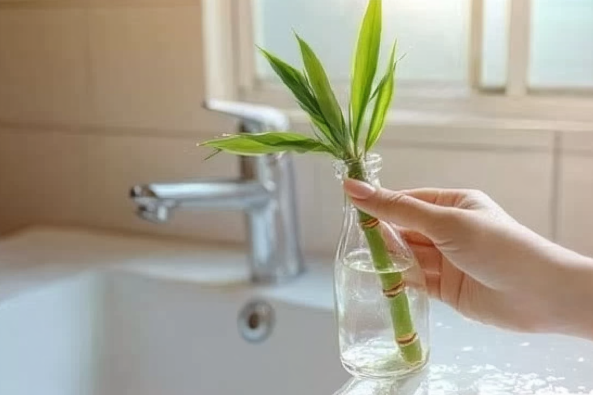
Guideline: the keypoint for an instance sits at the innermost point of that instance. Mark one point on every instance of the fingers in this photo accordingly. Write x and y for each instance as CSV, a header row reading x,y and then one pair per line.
x,y
433,286
393,241
399,208
413,237
429,195
439,196
428,256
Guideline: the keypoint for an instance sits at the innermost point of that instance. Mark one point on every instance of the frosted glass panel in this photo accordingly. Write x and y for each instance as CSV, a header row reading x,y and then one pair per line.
x,y
432,33
562,44
495,45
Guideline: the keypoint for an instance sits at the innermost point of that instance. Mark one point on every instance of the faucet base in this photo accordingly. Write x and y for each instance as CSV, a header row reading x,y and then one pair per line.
x,y
284,278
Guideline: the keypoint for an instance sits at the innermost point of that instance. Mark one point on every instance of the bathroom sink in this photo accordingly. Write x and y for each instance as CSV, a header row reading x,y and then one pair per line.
x,y
178,339
178,326
191,344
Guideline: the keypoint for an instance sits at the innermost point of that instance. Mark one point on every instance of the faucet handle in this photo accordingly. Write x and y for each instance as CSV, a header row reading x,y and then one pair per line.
x,y
254,118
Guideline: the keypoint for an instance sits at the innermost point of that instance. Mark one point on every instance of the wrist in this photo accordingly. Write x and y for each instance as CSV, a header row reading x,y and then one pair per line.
x,y
571,294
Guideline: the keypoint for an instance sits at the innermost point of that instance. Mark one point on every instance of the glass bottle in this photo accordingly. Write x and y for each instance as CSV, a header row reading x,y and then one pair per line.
x,y
380,291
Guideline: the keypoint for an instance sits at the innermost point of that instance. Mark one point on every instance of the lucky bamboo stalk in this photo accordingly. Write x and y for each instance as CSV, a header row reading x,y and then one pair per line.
x,y
339,137
393,283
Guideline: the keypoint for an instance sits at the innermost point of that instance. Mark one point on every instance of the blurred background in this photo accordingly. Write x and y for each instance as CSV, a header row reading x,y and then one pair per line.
x,y
99,95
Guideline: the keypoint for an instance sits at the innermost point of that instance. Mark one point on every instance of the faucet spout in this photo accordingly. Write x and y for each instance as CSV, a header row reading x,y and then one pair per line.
x,y
203,195
264,192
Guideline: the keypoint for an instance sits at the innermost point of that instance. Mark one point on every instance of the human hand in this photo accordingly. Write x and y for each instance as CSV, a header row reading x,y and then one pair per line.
x,y
485,264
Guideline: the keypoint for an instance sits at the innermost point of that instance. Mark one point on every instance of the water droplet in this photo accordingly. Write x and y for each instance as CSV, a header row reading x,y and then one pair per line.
x,y
439,324
581,359
467,348
525,344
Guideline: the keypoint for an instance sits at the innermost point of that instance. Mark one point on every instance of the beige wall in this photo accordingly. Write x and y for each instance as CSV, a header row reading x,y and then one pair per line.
x,y
95,97
98,95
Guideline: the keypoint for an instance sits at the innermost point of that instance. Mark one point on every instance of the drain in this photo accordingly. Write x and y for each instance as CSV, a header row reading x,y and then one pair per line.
x,y
256,321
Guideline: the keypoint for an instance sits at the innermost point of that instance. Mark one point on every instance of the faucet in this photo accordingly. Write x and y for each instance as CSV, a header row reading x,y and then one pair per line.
x,y
264,191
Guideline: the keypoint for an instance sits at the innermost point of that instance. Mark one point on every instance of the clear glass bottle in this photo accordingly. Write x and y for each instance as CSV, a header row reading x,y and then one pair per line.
x,y
381,298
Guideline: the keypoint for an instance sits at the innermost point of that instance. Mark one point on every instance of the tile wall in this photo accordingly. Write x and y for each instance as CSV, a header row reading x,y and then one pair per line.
x,y
96,96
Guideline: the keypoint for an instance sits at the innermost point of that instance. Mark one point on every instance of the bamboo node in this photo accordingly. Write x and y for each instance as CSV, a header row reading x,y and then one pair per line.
x,y
370,223
407,340
395,290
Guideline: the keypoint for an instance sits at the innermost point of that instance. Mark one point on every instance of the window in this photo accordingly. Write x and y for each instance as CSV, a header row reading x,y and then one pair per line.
x,y
331,27
456,50
561,44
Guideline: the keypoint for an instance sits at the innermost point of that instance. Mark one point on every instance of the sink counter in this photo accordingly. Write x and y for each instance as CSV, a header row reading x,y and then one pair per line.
x,y
142,311
37,256
85,312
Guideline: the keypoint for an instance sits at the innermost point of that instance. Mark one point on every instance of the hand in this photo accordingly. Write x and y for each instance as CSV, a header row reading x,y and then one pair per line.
x,y
485,264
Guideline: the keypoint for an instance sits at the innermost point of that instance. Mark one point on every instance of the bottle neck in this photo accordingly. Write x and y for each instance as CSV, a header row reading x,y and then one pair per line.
x,y
363,170
366,169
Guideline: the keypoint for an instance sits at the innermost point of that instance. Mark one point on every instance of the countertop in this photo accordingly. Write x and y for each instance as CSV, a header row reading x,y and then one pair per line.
x,y
37,256
463,352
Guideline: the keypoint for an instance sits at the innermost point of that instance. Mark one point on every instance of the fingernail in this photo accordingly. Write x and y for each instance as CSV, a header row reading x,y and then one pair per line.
x,y
358,189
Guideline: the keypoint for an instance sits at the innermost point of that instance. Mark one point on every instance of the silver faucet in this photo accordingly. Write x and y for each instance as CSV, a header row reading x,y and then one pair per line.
x,y
264,191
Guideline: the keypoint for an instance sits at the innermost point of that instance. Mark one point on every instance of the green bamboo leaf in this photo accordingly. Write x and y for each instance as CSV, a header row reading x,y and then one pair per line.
x,y
378,87
384,98
299,85
319,131
319,82
376,91
295,81
323,128
365,64
248,144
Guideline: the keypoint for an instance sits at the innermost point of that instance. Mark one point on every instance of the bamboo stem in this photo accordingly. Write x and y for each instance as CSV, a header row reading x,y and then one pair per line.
x,y
406,337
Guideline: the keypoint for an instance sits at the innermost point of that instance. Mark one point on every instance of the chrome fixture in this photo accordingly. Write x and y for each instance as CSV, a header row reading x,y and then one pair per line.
x,y
256,321
264,191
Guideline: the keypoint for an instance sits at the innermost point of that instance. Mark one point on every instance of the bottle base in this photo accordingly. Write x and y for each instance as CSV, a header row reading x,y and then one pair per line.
x,y
412,383
399,371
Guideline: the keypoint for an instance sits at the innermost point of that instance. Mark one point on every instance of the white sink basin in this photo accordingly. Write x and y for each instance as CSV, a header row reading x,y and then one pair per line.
x,y
162,329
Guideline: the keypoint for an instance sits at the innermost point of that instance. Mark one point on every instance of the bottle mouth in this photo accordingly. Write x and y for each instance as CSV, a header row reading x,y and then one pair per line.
x,y
371,164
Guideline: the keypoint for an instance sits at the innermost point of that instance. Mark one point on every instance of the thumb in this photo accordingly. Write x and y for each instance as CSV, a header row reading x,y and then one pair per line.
x,y
398,208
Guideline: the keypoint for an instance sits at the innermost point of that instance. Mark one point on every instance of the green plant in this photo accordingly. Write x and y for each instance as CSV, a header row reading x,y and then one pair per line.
x,y
342,139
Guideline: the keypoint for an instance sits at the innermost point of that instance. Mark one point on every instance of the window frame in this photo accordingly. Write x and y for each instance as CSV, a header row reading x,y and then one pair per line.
x,y
230,42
